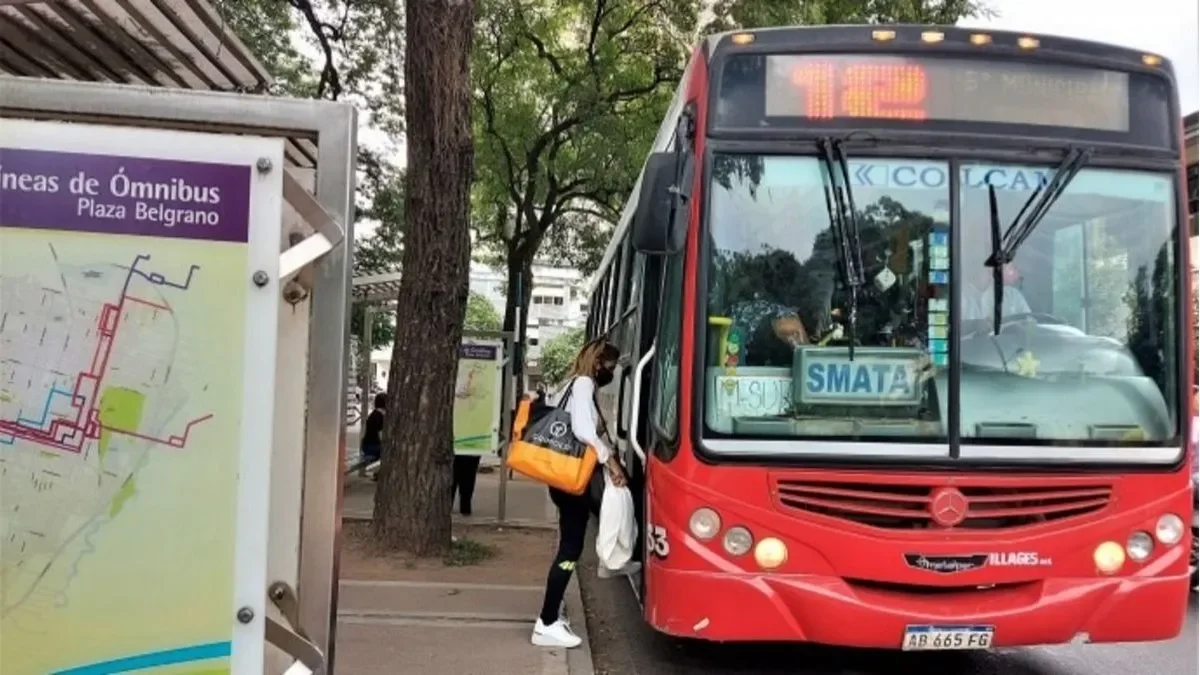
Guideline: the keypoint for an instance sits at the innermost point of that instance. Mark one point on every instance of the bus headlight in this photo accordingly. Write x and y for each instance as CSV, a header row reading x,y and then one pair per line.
x,y
1169,529
704,524
770,553
738,541
1109,557
1140,546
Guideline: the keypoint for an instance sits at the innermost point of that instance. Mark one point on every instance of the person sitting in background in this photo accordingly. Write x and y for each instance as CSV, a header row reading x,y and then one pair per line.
x,y
979,296
371,446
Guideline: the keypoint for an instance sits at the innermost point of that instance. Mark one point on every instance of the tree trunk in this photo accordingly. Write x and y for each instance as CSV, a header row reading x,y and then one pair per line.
x,y
412,502
520,276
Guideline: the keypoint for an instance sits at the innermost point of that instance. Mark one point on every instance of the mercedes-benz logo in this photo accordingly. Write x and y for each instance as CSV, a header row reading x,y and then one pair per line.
x,y
948,506
558,429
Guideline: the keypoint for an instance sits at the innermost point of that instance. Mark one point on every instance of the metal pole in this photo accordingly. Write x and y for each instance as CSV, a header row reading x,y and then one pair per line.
x,y
508,400
366,375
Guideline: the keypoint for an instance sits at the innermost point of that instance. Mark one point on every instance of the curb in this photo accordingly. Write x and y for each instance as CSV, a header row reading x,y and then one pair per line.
x,y
579,661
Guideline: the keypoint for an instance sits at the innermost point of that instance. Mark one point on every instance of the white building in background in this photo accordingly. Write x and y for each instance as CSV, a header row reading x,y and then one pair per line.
x,y
558,304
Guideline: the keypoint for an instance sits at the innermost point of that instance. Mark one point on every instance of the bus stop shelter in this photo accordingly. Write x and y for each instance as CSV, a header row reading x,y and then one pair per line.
x,y
377,293
58,61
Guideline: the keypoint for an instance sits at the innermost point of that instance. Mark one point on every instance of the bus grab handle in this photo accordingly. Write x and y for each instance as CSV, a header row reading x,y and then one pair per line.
x,y
636,412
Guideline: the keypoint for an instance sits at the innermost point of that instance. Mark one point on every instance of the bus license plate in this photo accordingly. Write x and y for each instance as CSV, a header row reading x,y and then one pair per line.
x,y
947,638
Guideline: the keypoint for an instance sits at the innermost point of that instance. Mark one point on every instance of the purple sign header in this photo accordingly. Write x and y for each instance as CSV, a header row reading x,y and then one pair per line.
x,y
110,194
477,352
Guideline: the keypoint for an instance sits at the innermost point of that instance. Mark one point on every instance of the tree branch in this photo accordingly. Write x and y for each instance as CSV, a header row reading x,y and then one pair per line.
x,y
510,162
324,33
633,18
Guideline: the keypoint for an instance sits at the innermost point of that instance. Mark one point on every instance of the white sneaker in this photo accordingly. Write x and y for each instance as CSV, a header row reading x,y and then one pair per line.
x,y
557,634
629,569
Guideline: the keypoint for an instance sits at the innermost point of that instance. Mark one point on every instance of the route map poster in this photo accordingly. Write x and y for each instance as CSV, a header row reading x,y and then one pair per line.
x,y
477,398
133,398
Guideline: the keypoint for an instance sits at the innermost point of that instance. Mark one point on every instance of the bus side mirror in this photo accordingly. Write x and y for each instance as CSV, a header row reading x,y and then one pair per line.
x,y
659,225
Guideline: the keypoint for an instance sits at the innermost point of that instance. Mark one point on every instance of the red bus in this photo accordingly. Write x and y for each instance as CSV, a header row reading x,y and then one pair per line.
x,y
903,317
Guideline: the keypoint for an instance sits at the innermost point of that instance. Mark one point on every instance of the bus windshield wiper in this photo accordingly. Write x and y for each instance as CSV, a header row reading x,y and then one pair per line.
x,y
997,269
1004,249
839,202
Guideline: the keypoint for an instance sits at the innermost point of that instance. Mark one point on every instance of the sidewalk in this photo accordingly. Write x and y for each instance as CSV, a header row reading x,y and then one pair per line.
x,y
445,628
398,616
528,503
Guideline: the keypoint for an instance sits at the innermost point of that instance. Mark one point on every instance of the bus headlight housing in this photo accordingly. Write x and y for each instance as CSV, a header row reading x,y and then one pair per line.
x,y
704,524
771,553
1109,557
1169,529
1140,546
738,541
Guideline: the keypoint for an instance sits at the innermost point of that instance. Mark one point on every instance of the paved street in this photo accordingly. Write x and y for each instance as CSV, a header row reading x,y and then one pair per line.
x,y
622,645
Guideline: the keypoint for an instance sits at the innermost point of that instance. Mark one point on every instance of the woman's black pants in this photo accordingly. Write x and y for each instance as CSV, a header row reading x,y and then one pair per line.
x,y
573,515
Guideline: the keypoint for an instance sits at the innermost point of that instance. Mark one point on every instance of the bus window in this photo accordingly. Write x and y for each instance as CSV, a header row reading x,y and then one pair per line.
x,y
666,365
1086,348
625,255
779,317
1069,291
616,268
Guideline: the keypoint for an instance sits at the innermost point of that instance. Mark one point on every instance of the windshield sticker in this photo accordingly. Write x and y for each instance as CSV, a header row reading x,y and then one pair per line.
x,y
918,175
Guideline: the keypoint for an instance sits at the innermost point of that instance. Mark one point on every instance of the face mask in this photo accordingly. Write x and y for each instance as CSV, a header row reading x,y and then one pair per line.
x,y
604,377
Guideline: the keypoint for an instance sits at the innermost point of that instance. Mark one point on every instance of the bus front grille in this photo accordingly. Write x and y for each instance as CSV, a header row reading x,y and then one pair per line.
x,y
911,505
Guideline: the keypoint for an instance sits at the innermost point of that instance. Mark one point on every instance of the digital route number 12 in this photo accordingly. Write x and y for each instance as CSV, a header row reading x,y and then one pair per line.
x,y
880,91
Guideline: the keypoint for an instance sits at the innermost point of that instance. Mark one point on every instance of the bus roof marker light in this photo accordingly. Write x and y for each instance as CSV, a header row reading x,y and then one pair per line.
x,y
933,36
1152,59
742,38
883,35
1028,42
981,39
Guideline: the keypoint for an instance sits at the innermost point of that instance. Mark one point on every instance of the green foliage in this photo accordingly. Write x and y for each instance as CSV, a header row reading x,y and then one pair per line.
x,y
266,27
568,97
380,201
481,313
559,353
467,552
360,42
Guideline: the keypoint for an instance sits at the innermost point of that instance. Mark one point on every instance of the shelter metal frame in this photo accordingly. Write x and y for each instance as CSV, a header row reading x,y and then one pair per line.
x,y
318,261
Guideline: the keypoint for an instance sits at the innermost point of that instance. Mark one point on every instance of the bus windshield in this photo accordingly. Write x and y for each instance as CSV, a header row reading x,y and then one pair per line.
x,y
1086,349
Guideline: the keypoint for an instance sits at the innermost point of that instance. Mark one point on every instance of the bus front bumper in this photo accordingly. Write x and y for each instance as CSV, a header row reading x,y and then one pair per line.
x,y
829,610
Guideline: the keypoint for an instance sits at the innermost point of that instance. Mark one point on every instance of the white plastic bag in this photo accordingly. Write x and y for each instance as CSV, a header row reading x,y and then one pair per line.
x,y
614,540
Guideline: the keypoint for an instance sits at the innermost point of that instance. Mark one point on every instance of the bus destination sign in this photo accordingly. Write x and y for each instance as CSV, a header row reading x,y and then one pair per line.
x,y
871,86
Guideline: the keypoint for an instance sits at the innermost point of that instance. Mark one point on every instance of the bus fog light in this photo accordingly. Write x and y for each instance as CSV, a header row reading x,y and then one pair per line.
x,y
1169,529
738,541
704,524
1140,546
1109,557
770,553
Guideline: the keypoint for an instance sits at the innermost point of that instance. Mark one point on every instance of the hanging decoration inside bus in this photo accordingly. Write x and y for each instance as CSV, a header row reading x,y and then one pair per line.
x,y
876,376
964,90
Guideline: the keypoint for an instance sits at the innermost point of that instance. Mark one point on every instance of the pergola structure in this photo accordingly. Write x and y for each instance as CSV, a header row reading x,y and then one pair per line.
x,y
175,53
